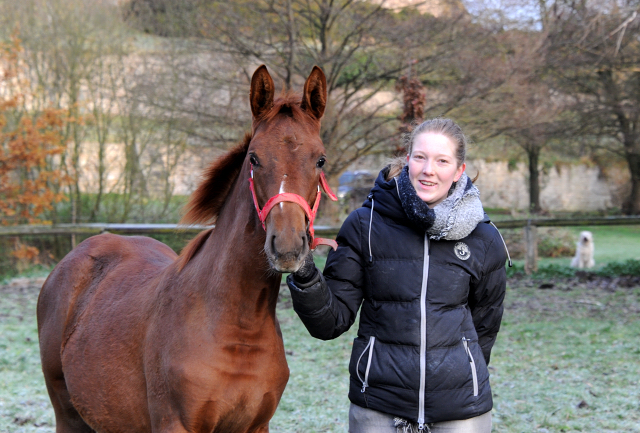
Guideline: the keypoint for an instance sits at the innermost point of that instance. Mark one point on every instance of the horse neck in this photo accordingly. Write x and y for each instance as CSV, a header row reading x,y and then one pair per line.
x,y
232,260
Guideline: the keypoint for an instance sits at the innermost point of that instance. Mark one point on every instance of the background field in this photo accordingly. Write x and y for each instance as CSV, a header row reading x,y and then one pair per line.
x,y
566,359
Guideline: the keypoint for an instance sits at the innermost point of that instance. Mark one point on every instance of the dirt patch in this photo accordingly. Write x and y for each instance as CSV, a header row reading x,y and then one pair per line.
x,y
587,295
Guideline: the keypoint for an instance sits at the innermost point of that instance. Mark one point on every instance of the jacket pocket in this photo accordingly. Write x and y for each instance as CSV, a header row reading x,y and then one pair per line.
x,y
472,364
369,347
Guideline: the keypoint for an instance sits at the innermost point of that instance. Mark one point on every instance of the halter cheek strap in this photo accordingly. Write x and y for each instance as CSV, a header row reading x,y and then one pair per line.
x,y
295,198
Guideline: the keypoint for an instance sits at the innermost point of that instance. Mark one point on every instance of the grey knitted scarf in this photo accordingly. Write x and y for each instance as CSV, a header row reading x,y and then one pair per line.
x,y
452,219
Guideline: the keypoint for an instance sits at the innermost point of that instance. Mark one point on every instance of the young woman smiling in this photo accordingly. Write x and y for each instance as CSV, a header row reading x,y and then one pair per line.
x,y
427,271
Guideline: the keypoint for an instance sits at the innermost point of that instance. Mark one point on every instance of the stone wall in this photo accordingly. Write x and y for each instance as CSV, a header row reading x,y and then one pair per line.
x,y
569,188
563,188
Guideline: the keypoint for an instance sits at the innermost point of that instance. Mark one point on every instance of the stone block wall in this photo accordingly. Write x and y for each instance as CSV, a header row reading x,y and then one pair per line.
x,y
563,188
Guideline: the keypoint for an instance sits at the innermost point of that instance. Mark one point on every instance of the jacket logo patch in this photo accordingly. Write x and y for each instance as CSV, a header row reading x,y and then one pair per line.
x,y
462,251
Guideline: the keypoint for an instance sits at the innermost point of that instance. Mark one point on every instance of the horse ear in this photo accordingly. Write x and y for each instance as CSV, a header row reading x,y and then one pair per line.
x,y
262,91
314,98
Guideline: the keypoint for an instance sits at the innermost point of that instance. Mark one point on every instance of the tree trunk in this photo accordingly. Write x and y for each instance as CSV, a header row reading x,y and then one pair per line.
x,y
633,159
533,154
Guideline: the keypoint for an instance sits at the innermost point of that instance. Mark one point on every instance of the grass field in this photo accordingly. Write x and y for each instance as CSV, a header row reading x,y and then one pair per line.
x,y
567,358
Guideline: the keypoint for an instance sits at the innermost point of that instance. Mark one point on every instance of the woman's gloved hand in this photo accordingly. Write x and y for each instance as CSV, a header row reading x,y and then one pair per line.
x,y
307,271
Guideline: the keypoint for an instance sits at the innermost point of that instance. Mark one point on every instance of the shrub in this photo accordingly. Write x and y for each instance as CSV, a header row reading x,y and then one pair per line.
x,y
551,270
629,268
552,242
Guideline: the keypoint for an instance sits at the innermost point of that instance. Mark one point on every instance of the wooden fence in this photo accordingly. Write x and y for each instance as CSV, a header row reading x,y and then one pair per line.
x,y
529,225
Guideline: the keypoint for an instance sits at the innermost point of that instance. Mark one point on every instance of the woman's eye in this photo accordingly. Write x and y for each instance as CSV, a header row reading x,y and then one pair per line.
x,y
321,162
253,160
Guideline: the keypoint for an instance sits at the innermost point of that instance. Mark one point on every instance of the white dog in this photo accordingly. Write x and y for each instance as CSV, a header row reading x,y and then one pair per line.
x,y
584,252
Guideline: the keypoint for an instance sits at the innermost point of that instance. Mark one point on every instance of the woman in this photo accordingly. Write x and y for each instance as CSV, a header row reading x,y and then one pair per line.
x,y
429,270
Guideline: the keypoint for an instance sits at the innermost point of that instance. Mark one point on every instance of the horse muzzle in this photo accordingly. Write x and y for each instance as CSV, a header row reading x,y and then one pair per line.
x,y
287,242
290,233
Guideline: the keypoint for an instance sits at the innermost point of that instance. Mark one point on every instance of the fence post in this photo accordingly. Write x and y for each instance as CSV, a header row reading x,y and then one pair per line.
x,y
531,248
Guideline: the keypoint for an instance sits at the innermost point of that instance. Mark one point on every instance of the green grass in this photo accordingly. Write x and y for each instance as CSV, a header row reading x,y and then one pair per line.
x,y
315,399
566,360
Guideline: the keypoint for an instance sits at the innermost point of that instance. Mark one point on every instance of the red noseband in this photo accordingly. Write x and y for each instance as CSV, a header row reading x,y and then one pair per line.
x,y
295,198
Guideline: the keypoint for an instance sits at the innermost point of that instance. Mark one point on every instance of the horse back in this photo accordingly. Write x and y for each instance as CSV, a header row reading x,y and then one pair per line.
x,y
77,278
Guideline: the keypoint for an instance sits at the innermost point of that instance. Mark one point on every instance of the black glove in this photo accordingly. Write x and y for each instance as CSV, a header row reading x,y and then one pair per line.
x,y
307,271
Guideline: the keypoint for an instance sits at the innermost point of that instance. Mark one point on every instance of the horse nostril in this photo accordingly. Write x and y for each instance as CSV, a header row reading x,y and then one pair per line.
x,y
273,244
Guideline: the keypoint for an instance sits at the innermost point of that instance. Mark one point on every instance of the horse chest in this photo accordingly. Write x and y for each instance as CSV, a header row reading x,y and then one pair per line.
x,y
228,366
225,387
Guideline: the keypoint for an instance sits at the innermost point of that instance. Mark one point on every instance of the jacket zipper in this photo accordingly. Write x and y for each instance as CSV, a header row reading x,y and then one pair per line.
x,y
472,363
365,381
423,333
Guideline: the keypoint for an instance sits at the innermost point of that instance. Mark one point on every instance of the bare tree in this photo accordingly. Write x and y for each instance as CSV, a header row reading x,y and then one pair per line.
x,y
83,58
595,57
66,44
525,110
362,47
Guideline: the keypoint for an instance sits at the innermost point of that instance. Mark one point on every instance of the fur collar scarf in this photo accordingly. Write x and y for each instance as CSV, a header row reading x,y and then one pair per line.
x,y
452,219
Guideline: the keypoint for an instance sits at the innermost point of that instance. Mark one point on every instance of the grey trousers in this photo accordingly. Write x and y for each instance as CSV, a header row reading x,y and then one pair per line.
x,y
363,420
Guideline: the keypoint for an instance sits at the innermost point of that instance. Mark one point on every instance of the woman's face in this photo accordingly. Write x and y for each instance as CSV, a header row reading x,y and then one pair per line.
x,y
433,167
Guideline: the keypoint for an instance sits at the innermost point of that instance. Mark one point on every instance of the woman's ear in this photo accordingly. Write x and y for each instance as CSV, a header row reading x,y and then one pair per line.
x,y
459,171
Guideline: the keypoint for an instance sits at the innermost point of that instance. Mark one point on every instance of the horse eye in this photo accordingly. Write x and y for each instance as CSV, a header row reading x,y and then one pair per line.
x,y
253,160
320,162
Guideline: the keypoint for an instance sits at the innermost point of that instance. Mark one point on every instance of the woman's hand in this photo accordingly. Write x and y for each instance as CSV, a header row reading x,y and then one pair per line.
x,y
307,270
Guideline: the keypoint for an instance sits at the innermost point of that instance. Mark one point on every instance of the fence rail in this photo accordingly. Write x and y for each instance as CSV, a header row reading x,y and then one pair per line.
x,y
529,225
97,228
568,222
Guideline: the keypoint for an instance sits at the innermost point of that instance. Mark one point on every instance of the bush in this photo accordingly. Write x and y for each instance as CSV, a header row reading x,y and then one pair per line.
x,y
552,242
551,270
628,268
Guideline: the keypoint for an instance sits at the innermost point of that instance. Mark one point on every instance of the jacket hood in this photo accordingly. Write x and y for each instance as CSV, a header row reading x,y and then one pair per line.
x,y
387,199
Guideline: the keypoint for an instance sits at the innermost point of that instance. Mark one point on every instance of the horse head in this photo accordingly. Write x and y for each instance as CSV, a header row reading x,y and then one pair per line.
x,y
286,156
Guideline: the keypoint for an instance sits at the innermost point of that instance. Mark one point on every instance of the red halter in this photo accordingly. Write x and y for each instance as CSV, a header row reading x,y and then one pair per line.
x,y
295,198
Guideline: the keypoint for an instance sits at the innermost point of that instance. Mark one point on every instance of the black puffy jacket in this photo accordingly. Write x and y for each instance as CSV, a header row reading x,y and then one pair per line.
x,y
430,311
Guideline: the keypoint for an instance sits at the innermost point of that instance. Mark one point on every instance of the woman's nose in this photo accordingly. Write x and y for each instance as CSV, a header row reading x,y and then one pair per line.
x,y
427,167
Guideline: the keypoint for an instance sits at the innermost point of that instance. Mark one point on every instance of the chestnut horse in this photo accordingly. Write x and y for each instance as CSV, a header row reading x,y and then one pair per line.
x,y
134,338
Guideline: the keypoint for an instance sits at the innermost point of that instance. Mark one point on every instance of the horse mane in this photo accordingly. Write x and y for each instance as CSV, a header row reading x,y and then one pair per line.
x,y
192,248
207,200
